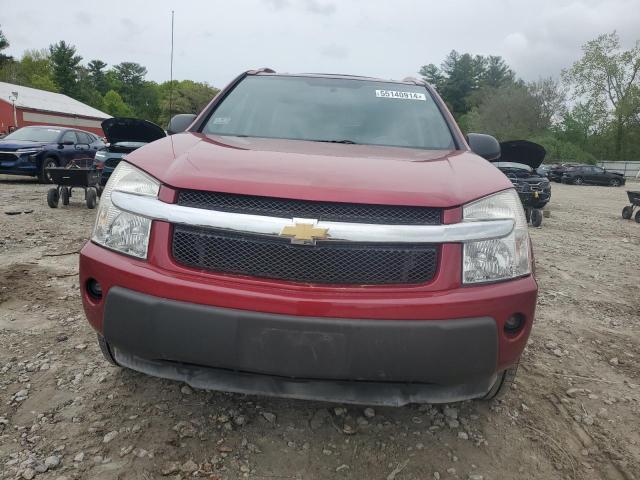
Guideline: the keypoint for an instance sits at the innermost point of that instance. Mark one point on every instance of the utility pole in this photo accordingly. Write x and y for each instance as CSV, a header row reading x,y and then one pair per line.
x,y
14,97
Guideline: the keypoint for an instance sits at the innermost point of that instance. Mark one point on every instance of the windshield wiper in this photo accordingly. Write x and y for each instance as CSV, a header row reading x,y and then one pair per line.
x,y
346,141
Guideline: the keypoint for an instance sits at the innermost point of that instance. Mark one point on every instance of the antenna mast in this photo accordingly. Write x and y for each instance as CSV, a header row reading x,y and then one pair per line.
x,y
171,72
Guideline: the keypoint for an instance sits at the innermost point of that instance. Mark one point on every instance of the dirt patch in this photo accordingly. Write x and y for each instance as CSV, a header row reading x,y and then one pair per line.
x,y
573,414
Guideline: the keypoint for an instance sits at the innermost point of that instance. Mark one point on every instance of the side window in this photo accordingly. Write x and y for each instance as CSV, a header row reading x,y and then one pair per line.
x,y
597,170
84,138
69,136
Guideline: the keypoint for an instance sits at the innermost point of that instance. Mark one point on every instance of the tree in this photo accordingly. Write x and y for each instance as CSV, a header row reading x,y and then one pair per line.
x,y
97,75
496,73
147,101
130,76
65,65
114,105
464,79
508,113
608,77
85,89
432,75
188,97
141,95
4,44
43,82
578,124
559,149
33,70
551,100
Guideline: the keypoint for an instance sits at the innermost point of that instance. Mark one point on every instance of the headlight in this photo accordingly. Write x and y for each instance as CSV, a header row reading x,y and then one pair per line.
x,y
502,258
122,231
22,151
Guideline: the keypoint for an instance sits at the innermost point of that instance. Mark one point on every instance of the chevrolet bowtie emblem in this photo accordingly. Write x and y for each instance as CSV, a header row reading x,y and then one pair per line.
x,y
304,232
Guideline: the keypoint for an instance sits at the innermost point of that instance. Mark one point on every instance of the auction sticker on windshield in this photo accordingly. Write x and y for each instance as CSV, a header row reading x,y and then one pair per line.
x,y
401,95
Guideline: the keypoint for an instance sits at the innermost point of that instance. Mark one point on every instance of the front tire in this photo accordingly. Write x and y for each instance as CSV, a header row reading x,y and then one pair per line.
x,y
106,351
627,212
503,383
43,176
92,197
536,217
65,193
615,182
637,217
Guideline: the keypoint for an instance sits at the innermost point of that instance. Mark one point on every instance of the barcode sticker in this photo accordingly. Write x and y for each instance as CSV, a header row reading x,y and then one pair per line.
x,y
401,95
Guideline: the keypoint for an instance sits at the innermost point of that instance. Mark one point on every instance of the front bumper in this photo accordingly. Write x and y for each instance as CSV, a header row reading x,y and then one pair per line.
x,y
395,362
434,343
535,199
18,165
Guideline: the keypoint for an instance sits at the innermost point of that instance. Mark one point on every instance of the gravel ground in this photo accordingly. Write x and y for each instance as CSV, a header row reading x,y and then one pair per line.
x,y
574,412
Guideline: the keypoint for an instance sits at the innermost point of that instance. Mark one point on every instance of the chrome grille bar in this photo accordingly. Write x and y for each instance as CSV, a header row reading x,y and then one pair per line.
x,y
155,209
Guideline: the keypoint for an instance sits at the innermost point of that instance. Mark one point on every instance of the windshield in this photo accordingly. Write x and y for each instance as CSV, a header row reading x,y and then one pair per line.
x,y
332,110
34,134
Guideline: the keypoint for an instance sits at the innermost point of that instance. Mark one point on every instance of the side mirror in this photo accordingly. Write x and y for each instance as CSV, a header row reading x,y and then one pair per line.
x,y
484,145
179,123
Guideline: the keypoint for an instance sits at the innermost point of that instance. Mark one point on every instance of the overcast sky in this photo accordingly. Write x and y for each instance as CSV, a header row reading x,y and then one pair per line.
x,y
217,39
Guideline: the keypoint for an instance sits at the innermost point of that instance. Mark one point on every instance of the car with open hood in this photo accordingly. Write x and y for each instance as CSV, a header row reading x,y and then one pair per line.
x,y
32,150
519,161
124,135
315,236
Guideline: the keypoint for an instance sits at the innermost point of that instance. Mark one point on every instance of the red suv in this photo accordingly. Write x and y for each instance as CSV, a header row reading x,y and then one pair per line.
x,y
315,236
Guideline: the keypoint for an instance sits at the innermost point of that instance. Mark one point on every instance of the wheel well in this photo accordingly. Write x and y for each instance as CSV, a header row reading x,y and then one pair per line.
x,y
47,156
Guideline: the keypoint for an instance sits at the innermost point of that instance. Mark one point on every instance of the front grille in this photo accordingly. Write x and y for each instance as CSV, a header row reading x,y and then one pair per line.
x,y
327,211
8,157
537,187
326,262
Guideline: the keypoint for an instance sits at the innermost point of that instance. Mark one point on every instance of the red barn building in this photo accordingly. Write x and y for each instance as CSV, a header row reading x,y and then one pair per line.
x,y
39,107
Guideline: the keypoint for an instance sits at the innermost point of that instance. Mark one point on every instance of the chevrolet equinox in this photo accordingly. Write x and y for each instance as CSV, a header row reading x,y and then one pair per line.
x,y
315,236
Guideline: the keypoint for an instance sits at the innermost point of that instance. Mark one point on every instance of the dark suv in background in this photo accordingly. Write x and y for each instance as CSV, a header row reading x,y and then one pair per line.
x,y
593,175
31,150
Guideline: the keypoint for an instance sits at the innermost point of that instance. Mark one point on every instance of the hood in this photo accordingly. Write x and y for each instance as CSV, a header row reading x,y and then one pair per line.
x,y
319,171
121,129
522,151
13,145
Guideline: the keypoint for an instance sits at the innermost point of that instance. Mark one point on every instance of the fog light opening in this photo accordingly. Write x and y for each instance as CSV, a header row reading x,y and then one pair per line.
x,y
514,324
94,289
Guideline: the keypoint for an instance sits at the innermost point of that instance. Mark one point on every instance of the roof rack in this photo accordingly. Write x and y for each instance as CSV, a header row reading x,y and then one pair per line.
x,y
417,81
261,70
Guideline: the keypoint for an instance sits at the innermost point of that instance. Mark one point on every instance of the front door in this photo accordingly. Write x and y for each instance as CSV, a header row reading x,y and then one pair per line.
x,y
67,148
598,176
